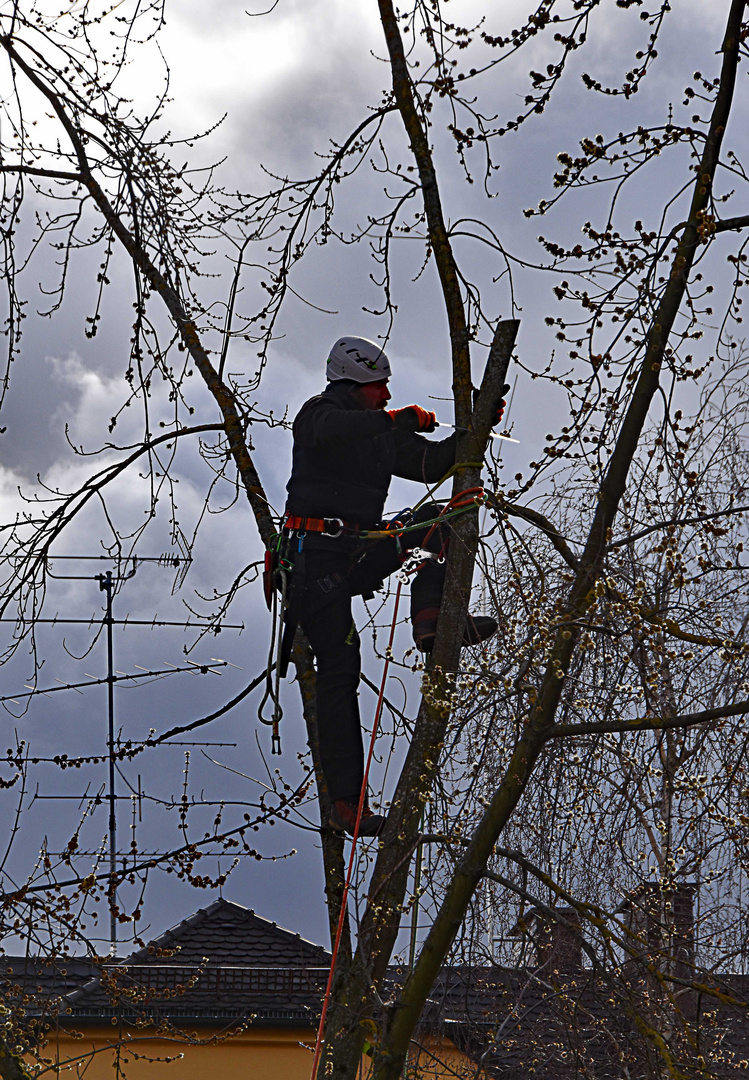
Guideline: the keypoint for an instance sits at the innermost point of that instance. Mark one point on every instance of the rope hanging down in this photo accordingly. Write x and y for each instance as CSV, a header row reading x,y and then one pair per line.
x,y
354,838
273,687
461,502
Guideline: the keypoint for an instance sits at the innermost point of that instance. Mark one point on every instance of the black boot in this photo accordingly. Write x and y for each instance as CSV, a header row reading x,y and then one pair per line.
x,y
343,818
478,628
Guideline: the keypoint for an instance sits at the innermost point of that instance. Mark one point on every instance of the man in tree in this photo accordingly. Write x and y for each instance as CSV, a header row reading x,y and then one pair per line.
x,y
347,447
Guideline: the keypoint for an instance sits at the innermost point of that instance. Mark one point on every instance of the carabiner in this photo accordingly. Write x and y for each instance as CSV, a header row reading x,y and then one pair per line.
x,y
334,521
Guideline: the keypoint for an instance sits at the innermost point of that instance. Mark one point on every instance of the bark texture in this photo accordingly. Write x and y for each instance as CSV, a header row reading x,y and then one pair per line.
x,y
332,841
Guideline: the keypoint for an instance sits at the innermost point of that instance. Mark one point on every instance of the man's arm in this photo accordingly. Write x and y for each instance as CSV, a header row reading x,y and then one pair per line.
x,y
421,459
323,424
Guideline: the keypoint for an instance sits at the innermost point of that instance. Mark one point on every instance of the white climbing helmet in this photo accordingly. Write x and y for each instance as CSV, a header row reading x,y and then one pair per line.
x,y
358,359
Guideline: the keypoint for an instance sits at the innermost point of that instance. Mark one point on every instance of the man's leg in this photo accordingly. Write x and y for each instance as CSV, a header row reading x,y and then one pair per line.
x,y
329,626
381,557
428,584
378,559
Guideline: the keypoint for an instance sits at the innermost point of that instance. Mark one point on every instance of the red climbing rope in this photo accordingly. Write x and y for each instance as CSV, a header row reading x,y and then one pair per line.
x,y
354,838
462,500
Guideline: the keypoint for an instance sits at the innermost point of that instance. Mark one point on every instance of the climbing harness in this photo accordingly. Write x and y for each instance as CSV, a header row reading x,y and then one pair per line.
x,y
284,576
328,526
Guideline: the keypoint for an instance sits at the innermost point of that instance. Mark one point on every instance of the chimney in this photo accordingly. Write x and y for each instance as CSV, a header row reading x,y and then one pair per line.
x,y
660,920
555,939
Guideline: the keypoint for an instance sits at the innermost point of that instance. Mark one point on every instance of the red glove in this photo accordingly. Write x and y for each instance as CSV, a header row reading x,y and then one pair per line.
x,y
413,418
500,410
499,406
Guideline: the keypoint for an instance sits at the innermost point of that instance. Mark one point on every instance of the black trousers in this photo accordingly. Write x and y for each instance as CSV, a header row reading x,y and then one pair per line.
x,y
335,570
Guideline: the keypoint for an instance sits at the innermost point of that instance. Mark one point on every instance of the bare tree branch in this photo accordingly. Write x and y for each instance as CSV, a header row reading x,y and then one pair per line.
x,y
651,723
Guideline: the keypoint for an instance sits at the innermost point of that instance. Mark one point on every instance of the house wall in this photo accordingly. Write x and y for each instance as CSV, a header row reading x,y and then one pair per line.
x,y
438,1058
267,1054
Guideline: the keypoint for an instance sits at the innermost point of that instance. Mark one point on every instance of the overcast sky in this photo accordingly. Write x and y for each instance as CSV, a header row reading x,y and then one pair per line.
x,y
287,83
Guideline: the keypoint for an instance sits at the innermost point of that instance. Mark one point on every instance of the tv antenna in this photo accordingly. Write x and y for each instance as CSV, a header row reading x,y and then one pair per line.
x,y
109,580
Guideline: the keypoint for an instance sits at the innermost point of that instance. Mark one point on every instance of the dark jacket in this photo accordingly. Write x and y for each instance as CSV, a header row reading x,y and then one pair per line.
x,y
344,458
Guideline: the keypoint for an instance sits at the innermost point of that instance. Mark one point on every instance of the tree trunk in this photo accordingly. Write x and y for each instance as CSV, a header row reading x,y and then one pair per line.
x,y
393,1047
353,1002
332,841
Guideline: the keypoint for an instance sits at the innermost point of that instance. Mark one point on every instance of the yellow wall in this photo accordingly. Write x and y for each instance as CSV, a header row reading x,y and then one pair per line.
x,y
437,1058
271,1054
255,1054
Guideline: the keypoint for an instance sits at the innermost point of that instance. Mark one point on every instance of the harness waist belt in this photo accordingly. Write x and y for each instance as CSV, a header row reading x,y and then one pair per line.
x,y
329,526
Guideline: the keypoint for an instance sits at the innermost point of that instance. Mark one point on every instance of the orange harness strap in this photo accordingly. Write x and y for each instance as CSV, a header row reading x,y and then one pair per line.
x,y
332,526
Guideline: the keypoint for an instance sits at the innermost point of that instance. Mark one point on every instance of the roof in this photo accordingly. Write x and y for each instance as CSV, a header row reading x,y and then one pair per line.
x,y
222,963
225,965
43,982
228,933
559,1026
